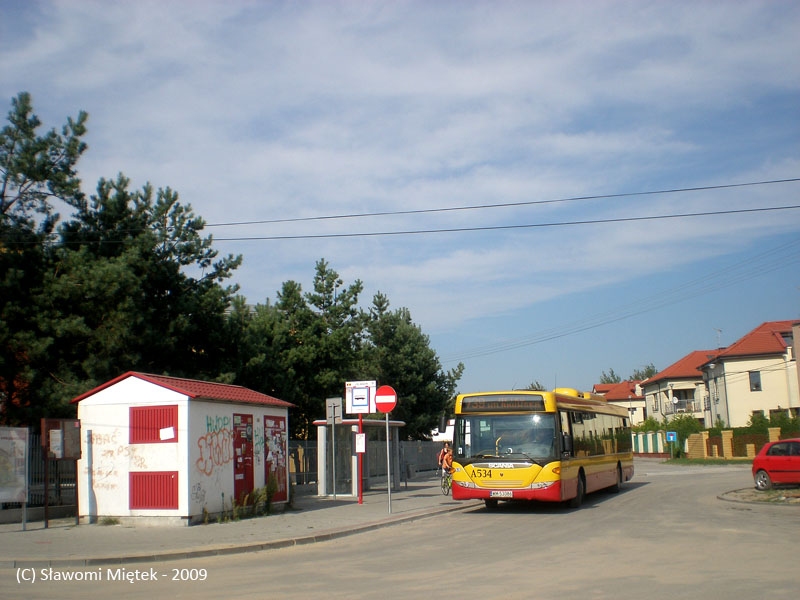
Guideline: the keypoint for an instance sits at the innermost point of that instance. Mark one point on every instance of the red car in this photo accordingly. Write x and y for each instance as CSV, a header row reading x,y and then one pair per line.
x,y
777,462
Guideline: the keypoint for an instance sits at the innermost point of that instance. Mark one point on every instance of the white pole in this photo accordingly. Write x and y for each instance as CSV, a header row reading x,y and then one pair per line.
x,y
388,465
333,446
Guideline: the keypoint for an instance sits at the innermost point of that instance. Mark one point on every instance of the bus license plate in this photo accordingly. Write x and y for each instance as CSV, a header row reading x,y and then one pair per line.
x,y
501,494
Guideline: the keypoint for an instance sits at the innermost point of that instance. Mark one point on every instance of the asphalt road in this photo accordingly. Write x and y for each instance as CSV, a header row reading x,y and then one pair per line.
x,y
666,535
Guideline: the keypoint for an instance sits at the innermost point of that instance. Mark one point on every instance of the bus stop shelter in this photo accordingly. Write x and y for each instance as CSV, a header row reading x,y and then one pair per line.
x,y
346,460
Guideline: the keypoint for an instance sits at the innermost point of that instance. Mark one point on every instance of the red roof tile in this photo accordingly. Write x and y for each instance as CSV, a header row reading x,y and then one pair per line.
x,y
196,389
767,338
685,368
624,390
602,388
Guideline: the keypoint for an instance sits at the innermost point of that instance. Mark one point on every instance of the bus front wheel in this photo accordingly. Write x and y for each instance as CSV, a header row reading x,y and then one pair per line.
x,y
578,499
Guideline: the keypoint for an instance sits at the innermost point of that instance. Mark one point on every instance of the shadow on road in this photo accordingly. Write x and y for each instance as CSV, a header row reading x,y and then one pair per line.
x,y
554,508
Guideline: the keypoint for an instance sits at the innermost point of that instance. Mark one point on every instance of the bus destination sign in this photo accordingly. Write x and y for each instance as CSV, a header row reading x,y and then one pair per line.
x,y
501,403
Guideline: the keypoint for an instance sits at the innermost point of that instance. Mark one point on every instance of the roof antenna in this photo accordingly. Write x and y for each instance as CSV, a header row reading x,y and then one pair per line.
x,y
719,335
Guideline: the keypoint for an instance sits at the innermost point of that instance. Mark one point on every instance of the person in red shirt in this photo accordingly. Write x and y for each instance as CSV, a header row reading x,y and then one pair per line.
x,y
443,453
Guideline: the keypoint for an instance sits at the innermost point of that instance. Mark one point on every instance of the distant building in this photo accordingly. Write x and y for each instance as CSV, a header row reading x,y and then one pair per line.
x,y
627,394
678,389
446,435
755,375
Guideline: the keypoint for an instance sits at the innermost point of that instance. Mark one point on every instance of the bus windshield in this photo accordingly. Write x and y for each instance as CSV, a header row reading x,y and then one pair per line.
x,y
529,437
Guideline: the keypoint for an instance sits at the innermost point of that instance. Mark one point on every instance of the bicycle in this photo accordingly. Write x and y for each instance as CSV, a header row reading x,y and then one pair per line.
x,y
447,483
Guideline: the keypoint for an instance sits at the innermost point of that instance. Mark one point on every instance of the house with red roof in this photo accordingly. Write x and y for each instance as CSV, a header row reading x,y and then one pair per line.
x,y
755,375
171,450
678,389
627,394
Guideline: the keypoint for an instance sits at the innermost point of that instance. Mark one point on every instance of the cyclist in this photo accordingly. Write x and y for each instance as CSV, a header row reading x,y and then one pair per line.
x,y
447,468
443,453
447,461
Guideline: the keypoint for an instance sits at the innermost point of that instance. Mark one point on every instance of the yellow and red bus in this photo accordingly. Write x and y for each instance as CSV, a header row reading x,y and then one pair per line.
x,y
553,446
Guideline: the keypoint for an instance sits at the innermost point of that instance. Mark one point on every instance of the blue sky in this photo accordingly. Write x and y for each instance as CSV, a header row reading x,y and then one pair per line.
x,y
265,111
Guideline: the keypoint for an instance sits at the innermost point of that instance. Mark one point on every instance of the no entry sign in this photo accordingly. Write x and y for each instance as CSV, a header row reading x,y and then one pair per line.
x,y
385,399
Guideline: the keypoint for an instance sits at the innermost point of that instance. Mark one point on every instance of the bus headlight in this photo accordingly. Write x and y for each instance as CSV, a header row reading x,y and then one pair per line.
x,y
542,485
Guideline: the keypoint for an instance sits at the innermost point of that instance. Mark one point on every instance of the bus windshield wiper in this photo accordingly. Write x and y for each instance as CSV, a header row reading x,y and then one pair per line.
x,y
528,456
485,455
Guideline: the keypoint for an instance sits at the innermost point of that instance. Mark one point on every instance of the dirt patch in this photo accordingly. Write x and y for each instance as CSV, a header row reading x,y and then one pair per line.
x,y
786,495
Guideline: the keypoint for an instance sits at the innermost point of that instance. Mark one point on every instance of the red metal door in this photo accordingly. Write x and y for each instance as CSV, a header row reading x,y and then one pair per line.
x,y
242,456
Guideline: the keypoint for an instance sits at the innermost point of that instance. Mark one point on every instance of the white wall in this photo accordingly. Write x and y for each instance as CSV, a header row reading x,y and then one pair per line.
x,y
211,452
211,456
777,387
107,456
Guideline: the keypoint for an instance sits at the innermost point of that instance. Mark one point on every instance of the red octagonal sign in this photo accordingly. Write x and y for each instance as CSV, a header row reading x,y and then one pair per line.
x,y
385,399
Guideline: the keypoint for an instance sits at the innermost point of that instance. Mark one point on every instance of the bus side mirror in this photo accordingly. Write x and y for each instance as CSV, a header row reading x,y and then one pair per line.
x,y
442,424
566,444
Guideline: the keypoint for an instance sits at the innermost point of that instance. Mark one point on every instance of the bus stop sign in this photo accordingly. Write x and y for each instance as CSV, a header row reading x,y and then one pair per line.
x,y
385,399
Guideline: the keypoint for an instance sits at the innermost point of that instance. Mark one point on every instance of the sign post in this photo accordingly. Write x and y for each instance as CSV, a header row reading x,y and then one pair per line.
x,y
672,437
360,398
385,401
333,416
61,440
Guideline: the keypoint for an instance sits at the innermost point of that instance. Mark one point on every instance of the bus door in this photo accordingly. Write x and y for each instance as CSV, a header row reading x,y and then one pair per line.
x,y
569,467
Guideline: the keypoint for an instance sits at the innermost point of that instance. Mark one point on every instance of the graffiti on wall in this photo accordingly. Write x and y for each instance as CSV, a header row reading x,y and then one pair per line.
x,y
216,445
108,447
198,494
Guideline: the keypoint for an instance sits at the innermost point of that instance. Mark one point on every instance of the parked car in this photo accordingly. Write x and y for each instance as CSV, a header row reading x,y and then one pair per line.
x,y
777,462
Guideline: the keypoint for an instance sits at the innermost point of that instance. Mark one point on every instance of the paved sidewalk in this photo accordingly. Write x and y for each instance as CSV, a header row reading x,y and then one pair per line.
x,y
312,519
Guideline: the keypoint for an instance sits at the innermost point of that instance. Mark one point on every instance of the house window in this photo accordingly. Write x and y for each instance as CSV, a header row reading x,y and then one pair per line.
x,y
154,424
755,381
778,413
153,490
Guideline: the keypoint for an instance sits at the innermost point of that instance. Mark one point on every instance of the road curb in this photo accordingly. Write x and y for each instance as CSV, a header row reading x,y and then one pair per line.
x,y
222,550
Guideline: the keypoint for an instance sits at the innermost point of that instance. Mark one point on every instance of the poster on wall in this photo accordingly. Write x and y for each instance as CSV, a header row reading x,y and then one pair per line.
x,y
276,456
13,464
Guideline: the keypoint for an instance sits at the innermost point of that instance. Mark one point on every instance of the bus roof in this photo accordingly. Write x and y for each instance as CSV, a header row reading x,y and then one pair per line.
x,y
535,400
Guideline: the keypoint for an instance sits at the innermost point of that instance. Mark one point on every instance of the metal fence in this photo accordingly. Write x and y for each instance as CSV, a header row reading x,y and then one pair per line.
x,y
414,456
303,461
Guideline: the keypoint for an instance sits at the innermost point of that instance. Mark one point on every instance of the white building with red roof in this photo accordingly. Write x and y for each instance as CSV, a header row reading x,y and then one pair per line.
x,y
678,389
627,394
755,375
173,450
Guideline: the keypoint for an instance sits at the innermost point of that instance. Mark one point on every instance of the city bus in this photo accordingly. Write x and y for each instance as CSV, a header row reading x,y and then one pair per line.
x,y
552,446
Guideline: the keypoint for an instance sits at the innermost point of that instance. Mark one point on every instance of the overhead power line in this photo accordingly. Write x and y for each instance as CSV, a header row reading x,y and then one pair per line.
x,y
770,260
482,207
504,204
505,227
